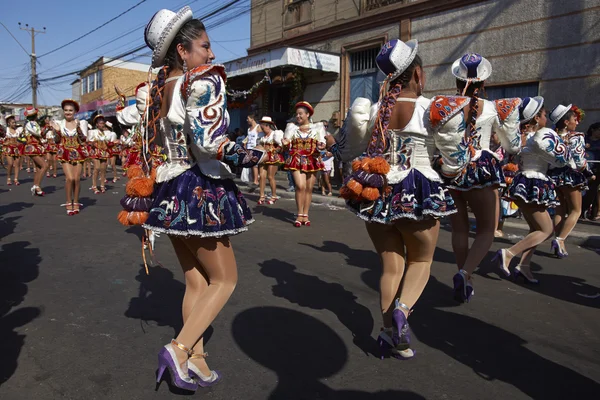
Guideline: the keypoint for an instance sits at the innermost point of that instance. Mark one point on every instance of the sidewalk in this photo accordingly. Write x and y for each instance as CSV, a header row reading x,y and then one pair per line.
x,y
586,233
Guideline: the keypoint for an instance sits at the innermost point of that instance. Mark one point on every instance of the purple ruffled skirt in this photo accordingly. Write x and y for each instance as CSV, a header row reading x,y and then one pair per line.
x,y
484,172
415,197
193,204
567,176
532,191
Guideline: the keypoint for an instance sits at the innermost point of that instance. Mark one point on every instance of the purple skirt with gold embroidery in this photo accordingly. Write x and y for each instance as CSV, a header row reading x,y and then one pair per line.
x,y
193,204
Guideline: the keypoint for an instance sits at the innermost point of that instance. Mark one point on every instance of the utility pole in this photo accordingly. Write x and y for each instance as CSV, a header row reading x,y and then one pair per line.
x,y
34,82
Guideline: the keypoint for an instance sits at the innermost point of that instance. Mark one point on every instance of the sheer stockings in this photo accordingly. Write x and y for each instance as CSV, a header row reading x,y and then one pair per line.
x,y
304,183
42,167
99,169
12,164
570,203
210,273
540,229
485,206
406,250
267,172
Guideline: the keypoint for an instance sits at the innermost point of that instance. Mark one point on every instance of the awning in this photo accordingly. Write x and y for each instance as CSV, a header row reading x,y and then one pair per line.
x,y
281,57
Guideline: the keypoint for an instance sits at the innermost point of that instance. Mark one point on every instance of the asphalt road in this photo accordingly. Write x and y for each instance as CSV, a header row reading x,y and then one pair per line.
x,y
80,319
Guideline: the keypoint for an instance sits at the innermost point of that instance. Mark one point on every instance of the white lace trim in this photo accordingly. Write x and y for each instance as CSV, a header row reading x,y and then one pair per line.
x,y
202,234
546,203
426,214
460,189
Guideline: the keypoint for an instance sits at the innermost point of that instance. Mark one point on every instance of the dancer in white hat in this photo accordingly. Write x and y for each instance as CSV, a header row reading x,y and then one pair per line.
x,y
195,201
270,138
531,189
395,189
462,127
571,179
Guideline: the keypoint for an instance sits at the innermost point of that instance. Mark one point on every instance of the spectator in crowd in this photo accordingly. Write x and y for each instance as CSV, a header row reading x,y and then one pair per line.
x,y
591,200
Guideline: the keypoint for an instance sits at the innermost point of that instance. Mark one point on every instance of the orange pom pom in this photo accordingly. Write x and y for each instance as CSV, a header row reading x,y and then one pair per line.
x,y
378,165
347,194
122,217
365,164
356,165
370,193
135,171
354,187
137,217
140,187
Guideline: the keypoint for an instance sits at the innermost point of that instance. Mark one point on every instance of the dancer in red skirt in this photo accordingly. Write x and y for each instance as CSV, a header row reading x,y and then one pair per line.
x,y
304,140
35,149
11,149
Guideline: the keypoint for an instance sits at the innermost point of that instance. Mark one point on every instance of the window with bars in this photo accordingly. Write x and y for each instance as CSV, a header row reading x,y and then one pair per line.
x,y
297,12
364,75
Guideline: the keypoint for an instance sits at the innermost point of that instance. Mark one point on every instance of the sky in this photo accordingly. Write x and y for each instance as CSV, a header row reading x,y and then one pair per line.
x,y
66,20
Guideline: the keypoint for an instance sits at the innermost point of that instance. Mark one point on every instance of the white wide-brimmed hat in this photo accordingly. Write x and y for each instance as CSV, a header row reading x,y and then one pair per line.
x,y
530,107
109,124
161,31
472,67
559,112
395,56
266,120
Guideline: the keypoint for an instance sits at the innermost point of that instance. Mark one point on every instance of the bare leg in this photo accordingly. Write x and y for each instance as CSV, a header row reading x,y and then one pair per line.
x,y
573,202
77,183
69,171
484,203
216,258
262,180
460,229
272,171
196,283
18,162
42,167
10,164
255,174
327,181
308,190
113,165
103,165
390,247
95,174
300,182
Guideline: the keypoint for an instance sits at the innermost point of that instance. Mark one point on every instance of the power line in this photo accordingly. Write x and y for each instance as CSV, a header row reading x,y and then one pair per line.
x,y
135,50
19,43
93,30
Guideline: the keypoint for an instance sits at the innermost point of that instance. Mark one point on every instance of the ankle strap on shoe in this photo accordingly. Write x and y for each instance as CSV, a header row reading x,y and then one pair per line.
x,y
198,355
559,238
404,306
182,347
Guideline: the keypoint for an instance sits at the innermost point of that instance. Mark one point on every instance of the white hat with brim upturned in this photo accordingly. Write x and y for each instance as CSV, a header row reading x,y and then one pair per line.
x,y
472,67
396,56
162,29
530,107
559,112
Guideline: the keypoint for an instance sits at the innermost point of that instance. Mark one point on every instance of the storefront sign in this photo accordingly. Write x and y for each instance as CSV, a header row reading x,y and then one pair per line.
x,y
282,57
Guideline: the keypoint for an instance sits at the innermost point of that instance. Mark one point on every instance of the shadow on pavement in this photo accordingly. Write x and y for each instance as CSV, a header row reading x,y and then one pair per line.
x,y
302,351
14,207
365,259
159,299
493,353
19,265
272,211
310,291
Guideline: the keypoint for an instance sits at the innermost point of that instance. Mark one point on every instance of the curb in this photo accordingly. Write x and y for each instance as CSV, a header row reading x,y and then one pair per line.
x,y
586,238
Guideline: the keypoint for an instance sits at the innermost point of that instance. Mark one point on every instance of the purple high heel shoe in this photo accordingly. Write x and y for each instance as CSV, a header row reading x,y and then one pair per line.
x,y
557,251
168,360
500,259
198,376
463,289
526,279
388,348
401,333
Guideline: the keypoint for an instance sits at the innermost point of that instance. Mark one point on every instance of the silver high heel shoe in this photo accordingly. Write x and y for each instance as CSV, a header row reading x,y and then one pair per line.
x,y
168,360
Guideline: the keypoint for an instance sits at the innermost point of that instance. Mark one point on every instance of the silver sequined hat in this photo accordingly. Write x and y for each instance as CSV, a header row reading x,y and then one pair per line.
x,y
161,31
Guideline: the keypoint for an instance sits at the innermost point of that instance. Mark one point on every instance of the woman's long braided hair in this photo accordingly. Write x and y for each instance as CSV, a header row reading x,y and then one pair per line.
x,y
191,30
380,136
473,90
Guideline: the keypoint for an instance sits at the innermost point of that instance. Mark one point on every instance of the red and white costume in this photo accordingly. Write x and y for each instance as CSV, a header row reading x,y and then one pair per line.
x,y
72,147
304,154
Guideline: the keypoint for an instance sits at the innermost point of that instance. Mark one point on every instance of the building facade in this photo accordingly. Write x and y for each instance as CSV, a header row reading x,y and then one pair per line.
x,y
537,47
95,86
18,110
